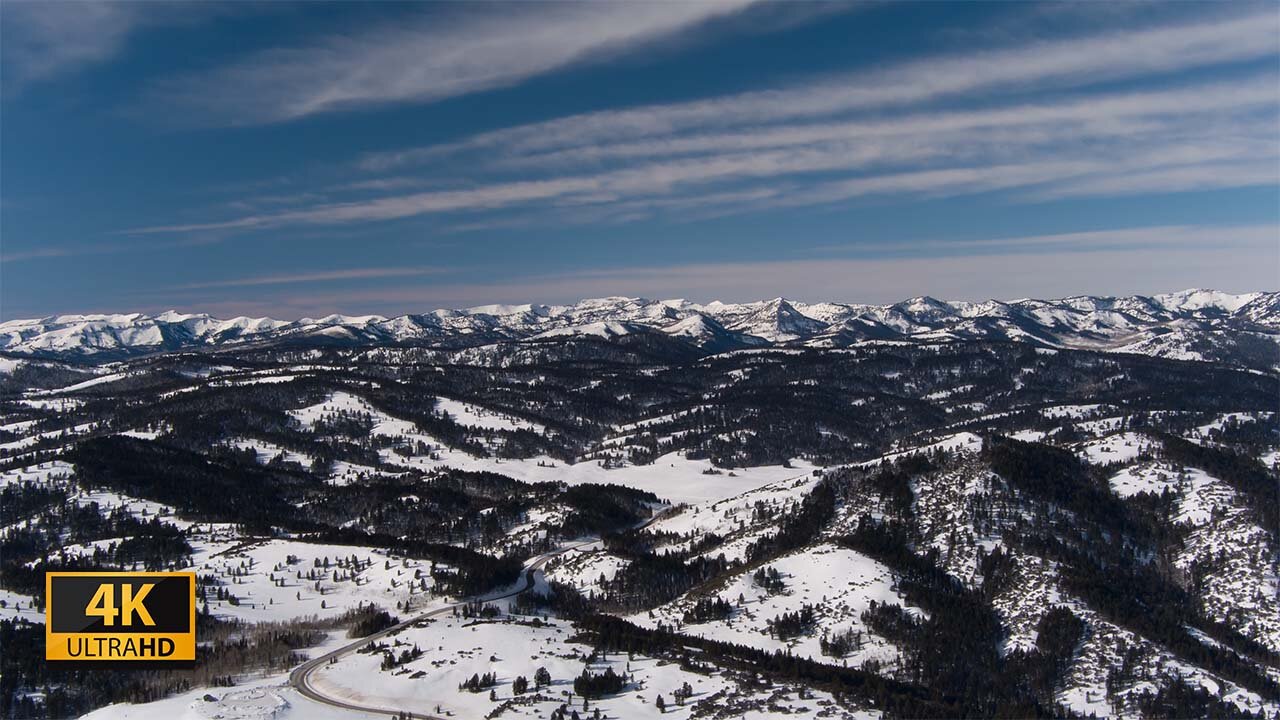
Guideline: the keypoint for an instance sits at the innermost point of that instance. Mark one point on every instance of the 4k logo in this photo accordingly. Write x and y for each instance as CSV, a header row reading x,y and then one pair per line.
x,y
120,616
103,604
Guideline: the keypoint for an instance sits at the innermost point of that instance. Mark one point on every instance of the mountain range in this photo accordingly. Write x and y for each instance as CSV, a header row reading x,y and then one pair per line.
x,y
1207,325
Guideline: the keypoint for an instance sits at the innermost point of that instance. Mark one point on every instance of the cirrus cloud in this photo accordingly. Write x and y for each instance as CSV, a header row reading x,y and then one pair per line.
x,y
428,57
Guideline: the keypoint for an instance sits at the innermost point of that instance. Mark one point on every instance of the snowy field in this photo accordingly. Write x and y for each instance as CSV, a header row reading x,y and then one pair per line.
x,y
283,579
455,648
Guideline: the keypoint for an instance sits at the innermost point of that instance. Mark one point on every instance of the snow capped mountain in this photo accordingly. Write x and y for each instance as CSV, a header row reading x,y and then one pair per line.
x,y
1263,310
778,321
1211,300
710,335
1192,324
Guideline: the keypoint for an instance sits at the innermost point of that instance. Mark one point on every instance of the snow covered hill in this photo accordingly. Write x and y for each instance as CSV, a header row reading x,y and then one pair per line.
x,y
1236,329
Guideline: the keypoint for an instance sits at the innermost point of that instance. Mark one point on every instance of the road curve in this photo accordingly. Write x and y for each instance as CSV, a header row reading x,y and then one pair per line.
x,y
300,678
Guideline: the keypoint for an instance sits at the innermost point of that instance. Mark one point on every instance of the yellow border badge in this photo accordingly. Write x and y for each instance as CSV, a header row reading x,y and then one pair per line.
x,y
120,616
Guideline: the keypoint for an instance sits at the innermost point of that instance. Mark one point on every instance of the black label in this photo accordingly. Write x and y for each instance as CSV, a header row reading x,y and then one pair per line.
x,y
85,604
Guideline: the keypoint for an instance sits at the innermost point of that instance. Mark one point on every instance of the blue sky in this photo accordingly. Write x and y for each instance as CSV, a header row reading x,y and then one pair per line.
x,y
301,159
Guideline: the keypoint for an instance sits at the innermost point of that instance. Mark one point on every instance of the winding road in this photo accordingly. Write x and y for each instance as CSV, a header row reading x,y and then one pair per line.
x,y
300,678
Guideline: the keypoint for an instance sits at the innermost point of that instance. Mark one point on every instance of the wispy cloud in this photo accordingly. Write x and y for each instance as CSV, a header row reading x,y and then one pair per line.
x,y
1099,114
323,276
1227,237
894,131
43,40
392,208
1062,63
428,57
101,248
36,254
1124,158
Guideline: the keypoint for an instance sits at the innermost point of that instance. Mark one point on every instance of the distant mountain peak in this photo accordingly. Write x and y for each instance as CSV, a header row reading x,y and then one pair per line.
x,y
778,321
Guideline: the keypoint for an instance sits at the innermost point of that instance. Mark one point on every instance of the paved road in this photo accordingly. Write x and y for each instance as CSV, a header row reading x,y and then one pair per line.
x,y
300,678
